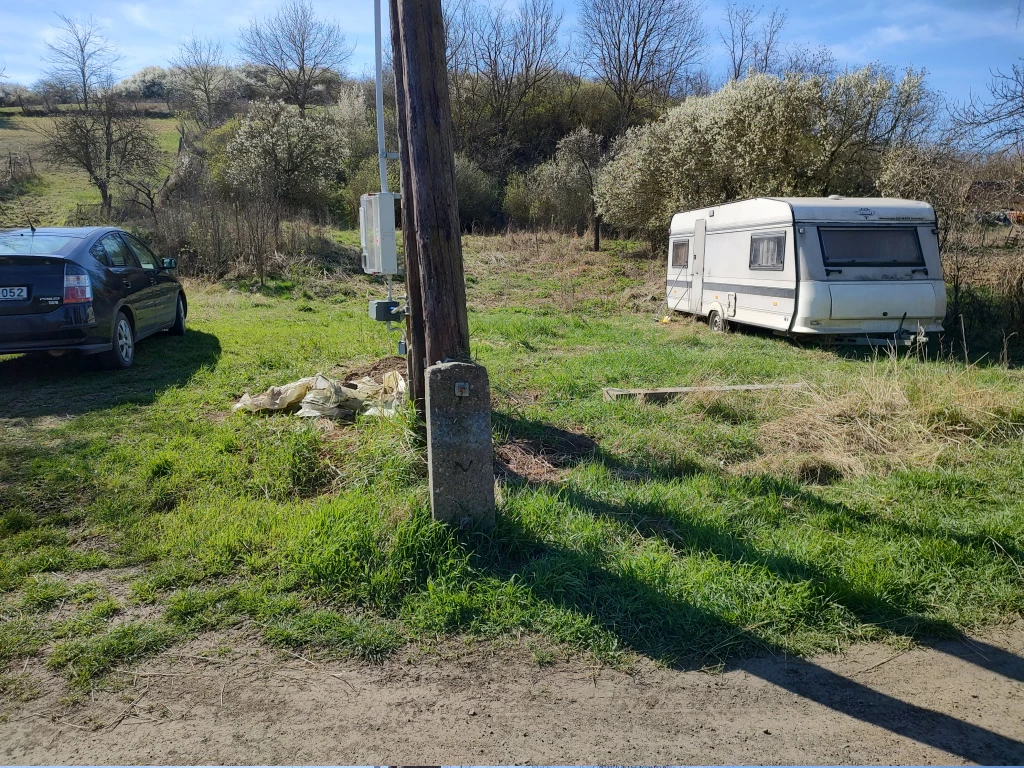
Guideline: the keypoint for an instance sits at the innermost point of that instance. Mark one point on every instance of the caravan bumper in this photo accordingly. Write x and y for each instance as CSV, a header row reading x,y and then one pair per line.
x,y
870,308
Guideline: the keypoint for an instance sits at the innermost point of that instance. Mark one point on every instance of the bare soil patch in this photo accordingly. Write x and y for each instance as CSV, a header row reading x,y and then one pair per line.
x,y
377,369
225,699
544,458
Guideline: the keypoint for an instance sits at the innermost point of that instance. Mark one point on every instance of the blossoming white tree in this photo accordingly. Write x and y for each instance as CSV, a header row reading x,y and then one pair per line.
x,y
763,135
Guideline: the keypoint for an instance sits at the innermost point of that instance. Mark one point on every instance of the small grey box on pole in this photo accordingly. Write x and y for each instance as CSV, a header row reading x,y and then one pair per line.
x,y
459,448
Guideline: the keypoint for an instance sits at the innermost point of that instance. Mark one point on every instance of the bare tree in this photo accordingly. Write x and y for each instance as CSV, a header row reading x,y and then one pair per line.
x,y
767,47
460,18
640,49
818,61
81,56
301,50
202,78
752,39
998,120
738,37
259,216
53,93
499,61
109,143
581,152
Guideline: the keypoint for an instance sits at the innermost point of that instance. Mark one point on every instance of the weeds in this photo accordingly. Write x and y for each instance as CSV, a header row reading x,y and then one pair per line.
x,y
82,660
21,687
88,621
881,502
896,414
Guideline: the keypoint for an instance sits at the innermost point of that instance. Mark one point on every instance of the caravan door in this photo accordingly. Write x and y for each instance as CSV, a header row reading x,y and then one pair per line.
x,y
697,267
678,288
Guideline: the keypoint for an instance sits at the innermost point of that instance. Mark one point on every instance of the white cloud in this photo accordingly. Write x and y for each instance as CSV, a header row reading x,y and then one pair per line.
x,y
926,25
138,14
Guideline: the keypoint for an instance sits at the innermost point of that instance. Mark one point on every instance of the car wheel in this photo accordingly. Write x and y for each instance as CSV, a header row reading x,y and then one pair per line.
x,y
717,323
178,329
122,354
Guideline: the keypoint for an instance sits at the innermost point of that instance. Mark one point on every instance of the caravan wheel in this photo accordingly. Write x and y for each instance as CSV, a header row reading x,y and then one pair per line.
x,y
717,323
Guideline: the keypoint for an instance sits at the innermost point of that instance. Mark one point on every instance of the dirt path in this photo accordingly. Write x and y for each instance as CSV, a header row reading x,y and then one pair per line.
x,y
958,701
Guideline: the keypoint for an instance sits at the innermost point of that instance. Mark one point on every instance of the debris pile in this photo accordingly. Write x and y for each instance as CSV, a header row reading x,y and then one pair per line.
x,y
320,397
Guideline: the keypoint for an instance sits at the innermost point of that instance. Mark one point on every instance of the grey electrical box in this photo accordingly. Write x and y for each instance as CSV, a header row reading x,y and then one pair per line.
x,y
377,233
383,311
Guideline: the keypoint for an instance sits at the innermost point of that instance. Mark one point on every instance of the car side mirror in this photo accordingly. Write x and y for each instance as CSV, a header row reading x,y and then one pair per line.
x,y
169,263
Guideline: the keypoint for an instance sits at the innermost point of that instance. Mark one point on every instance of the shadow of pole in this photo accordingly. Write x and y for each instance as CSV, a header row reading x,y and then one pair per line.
x,y
982,654
925,726
646,620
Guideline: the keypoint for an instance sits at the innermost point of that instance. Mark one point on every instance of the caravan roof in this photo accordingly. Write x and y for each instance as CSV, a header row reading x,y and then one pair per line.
x,y
783,210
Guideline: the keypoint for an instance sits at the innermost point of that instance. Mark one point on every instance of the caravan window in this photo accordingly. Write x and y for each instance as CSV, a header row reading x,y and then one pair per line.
x,y
768,250
871,247
680,254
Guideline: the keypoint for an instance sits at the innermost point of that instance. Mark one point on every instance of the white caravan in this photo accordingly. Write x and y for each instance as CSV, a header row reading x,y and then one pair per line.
x,y
852,269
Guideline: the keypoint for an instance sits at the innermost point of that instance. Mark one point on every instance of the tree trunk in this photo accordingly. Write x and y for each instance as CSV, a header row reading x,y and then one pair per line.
x,y
416,353
429,192
597,231
106,205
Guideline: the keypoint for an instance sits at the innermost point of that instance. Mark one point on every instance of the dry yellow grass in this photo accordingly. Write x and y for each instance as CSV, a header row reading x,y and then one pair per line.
x,y
560,272
894,415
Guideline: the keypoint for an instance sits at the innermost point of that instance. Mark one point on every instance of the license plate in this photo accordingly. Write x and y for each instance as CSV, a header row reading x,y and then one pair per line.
x,y
8,293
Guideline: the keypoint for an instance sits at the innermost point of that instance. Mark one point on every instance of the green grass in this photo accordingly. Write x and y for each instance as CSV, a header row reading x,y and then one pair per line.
x,y
52,197
691,532
83,660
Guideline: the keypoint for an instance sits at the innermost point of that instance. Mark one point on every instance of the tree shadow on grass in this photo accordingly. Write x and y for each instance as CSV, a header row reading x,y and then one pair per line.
x,y
670,630
563,449
649,621
38,385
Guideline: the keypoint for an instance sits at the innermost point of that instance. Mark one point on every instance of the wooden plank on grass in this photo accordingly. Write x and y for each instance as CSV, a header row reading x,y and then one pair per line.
x,y
671,393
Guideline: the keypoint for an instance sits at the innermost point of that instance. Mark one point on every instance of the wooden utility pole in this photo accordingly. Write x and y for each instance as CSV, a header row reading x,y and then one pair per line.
x,y
414,296
438,326
456,400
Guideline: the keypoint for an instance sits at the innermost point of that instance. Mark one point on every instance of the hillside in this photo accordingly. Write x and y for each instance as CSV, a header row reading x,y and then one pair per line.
x,y
53,198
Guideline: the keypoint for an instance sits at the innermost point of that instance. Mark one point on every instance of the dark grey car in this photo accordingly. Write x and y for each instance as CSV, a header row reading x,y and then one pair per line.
x,y
95,290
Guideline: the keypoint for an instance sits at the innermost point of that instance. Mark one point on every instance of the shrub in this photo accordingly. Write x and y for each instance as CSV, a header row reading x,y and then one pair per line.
x,y
559,192
763,135
293,159
366,178
478,194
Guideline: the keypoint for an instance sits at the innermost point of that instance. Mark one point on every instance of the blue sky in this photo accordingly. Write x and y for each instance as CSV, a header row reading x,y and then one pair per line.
x,y
956,41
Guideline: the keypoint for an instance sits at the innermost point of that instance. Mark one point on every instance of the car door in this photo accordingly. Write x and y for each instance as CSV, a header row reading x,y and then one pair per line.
x,y
134,281
163,287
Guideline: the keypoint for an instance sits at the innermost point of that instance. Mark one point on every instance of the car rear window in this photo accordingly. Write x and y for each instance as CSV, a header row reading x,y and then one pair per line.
x,y
871,247
24,244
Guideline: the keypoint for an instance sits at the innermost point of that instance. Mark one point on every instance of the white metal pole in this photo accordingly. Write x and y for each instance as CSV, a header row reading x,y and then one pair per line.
x,y
382,155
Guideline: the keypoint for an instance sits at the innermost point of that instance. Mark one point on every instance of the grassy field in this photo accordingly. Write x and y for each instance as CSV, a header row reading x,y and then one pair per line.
x,y
52,198
882,502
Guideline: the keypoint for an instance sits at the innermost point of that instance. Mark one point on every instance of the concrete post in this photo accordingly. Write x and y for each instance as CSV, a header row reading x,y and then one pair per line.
x,y
459,449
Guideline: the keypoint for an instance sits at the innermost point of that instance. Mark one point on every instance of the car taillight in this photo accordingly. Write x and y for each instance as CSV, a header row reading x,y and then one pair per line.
x,y
77,285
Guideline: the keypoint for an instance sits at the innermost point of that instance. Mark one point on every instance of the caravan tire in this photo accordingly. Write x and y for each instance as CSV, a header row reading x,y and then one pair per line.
x,y
717,323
